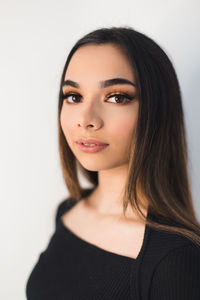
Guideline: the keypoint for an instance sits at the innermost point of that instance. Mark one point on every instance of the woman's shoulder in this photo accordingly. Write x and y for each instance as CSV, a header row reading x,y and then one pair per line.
x,y
64,206
187,253
178,273
172,262
68,202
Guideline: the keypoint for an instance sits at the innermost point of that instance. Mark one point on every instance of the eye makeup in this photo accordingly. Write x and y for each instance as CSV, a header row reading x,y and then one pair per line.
x,y
116,93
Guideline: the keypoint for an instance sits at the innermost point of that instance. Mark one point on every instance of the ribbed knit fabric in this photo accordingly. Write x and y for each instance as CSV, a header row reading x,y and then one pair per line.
x,y
167,268
178,275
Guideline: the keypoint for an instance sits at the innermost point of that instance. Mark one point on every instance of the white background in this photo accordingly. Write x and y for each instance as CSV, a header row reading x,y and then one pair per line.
x,y
35,38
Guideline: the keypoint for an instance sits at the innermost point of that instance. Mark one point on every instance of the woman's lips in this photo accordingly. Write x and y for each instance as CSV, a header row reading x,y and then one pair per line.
x,y
91,141
91,149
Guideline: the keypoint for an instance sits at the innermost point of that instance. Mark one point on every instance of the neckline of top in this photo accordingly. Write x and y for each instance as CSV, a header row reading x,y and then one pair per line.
x,y
65,229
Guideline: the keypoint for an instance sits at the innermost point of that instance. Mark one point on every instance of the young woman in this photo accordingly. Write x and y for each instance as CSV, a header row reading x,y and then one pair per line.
x,y
134,234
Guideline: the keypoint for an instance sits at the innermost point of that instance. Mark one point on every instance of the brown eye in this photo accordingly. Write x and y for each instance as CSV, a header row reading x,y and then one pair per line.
x,y
74,97
121,98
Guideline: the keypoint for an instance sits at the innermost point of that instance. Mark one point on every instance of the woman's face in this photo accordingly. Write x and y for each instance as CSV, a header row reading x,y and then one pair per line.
x,y
94,112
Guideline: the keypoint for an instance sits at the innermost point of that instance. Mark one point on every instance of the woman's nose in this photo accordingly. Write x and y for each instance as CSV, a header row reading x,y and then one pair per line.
x,y
90,116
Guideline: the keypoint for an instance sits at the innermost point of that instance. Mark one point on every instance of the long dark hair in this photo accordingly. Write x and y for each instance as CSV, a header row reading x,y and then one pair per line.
x,y
158,164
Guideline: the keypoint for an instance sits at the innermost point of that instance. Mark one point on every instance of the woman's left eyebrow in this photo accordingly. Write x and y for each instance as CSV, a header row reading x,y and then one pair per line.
x,y
102,84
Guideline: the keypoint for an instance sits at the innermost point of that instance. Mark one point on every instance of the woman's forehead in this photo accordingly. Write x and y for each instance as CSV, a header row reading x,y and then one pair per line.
x,y
99,62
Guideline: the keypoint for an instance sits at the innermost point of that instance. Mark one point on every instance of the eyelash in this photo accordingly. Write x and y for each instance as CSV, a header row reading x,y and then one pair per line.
x,y
119,94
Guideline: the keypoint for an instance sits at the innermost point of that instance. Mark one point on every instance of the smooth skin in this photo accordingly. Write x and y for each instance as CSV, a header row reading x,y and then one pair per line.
x,y
93,113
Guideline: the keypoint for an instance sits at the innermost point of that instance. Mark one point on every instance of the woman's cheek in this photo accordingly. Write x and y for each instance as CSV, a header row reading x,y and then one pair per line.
x,y
66,122
124,128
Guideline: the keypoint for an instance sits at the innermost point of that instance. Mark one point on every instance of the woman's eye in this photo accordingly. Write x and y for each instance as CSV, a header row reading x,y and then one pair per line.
x,y
121,98
74,96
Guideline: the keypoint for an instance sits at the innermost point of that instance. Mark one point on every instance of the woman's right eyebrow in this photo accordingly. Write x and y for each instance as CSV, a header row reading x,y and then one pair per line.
x,y
102,84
